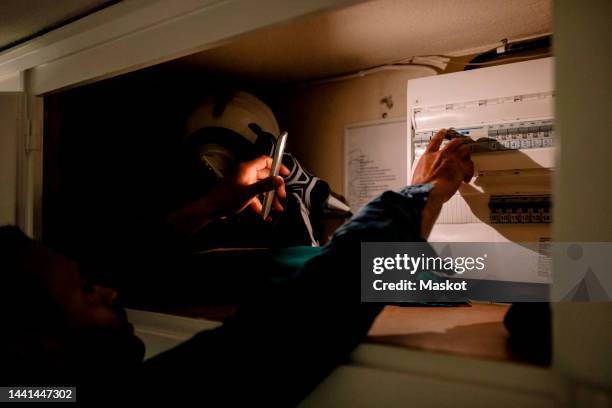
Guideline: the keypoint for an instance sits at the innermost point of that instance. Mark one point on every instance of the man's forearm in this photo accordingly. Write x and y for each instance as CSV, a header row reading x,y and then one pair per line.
x,y
189,220
394,216
430,214
299,329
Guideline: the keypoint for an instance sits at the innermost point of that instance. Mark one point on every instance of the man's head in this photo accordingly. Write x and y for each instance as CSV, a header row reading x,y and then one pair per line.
x,y
57,321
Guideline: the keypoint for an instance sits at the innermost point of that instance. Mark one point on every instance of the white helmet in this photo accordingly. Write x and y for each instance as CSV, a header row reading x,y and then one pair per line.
x,y
238,112
241,113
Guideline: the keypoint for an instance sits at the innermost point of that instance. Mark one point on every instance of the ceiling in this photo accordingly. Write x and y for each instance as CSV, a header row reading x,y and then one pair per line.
x,y
373,33
20,20
368,34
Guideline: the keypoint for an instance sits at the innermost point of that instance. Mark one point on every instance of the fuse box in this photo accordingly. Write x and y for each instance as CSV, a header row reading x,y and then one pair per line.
x,y
507,112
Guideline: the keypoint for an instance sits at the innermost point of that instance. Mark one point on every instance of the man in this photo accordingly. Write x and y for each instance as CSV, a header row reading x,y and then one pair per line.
x,y
274,351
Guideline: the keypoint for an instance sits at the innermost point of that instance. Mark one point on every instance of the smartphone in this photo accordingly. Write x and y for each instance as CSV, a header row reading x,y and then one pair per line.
x,y
277,159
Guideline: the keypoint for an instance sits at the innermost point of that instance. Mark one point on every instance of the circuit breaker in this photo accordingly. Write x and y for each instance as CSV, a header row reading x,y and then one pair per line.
x,y
507,111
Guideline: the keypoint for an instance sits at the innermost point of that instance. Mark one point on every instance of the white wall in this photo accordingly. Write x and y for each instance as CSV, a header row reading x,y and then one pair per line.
x,y
316,116
583,195
10,105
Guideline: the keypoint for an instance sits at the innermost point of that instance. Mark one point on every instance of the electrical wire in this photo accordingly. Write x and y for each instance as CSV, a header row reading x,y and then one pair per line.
x,y
409,62
369,71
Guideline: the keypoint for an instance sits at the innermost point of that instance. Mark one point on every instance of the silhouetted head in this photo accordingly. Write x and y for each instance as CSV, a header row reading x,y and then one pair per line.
x,y
57,325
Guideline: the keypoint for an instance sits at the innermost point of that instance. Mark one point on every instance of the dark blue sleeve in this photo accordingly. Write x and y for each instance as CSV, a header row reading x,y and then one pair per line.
x,y
394,216
279,348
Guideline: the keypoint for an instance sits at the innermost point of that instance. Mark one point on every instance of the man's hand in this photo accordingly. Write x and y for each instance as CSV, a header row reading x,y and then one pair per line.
x,y
236,192
445,169
232,195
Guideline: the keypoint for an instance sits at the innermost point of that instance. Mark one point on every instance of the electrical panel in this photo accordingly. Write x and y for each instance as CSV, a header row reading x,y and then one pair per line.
x,y
507,111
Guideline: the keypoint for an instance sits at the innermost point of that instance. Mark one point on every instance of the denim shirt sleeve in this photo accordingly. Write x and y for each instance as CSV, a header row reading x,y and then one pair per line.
x,y
280,347
393,216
